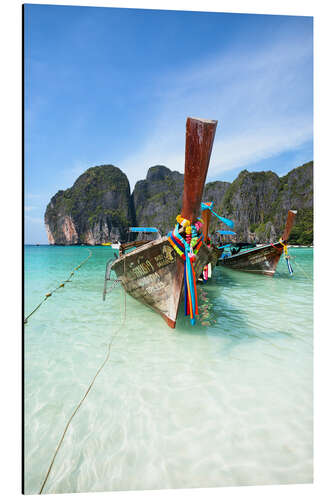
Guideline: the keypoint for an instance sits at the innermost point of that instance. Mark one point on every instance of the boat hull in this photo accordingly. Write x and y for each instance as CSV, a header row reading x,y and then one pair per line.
x,y
262,260
215,255
154,275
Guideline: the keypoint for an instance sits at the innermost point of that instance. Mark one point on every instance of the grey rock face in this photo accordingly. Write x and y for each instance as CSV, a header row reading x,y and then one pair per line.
x,y
98,208
258,202
157,200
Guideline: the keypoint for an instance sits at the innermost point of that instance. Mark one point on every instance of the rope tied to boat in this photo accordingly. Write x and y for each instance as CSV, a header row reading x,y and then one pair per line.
x,y
286,256
187,248
86,393
115,282
301,268
61,285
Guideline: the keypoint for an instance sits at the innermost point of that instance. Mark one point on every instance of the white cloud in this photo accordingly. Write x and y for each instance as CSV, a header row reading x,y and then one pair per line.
x,y
262,100
255,145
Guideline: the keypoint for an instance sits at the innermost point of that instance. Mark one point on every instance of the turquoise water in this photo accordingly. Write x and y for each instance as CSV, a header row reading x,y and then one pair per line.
x,y
226,402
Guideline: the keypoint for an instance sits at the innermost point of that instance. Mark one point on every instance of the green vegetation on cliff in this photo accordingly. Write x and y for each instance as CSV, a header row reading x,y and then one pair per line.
x,y
302,232
96,209
157,200
258,202
99,207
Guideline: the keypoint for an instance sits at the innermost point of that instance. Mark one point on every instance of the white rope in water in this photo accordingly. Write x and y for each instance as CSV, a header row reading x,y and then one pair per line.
x,y
310,278
86,393
61,285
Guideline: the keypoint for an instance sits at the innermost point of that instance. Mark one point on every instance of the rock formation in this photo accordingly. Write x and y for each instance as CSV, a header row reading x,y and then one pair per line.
x,y
158,199
98,208
258,202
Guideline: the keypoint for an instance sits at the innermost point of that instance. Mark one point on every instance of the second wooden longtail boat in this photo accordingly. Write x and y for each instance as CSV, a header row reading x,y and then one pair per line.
x,y
262,259
216,252
160,273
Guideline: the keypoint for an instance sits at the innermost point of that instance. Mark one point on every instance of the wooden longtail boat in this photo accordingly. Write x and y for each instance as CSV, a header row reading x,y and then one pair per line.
x,y
263,259
115,246
215,251
153,273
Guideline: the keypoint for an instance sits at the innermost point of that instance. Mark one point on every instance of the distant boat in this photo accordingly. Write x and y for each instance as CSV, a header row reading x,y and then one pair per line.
x,y
261,259
154,272
143,231
216,251
115,246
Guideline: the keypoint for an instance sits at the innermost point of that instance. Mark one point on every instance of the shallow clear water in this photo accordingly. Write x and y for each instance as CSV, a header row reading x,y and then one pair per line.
x,y
226,402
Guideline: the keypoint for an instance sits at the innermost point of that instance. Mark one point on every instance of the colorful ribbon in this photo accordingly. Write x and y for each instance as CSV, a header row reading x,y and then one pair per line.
x,y
228,222
287,257
187,252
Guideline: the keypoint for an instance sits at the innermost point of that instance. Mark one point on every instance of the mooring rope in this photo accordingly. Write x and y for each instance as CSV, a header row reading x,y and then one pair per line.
x,y
301,267
61,285
114,284
87,391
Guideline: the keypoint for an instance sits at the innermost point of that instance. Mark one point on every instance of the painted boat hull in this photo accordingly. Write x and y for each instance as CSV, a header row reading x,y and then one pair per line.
x,y
262,260
216,254
154,275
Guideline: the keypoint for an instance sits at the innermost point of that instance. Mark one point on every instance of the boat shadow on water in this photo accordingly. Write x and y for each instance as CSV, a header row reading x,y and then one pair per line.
x,y
235,310
230,323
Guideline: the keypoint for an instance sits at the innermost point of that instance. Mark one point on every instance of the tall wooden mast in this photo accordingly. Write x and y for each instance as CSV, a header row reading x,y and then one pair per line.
x,y
206,215
199,142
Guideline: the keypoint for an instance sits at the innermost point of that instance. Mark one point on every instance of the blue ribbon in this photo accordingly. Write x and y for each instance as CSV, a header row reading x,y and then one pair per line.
x,y
226,232
290,269
223,219
187,272
143,230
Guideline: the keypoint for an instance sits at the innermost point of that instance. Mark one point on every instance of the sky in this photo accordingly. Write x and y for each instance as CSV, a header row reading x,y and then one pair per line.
x,y
114,86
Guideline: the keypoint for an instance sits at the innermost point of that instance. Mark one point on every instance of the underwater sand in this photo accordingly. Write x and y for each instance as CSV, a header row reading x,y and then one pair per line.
x,y
224,403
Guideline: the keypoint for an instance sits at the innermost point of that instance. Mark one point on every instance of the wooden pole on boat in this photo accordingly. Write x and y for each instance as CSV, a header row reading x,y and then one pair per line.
x,y
289,224
206,214
199,143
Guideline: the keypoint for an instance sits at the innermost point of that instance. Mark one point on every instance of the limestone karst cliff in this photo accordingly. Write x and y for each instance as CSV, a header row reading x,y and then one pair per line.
x,y
96,209
258,202
158,199
99,207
